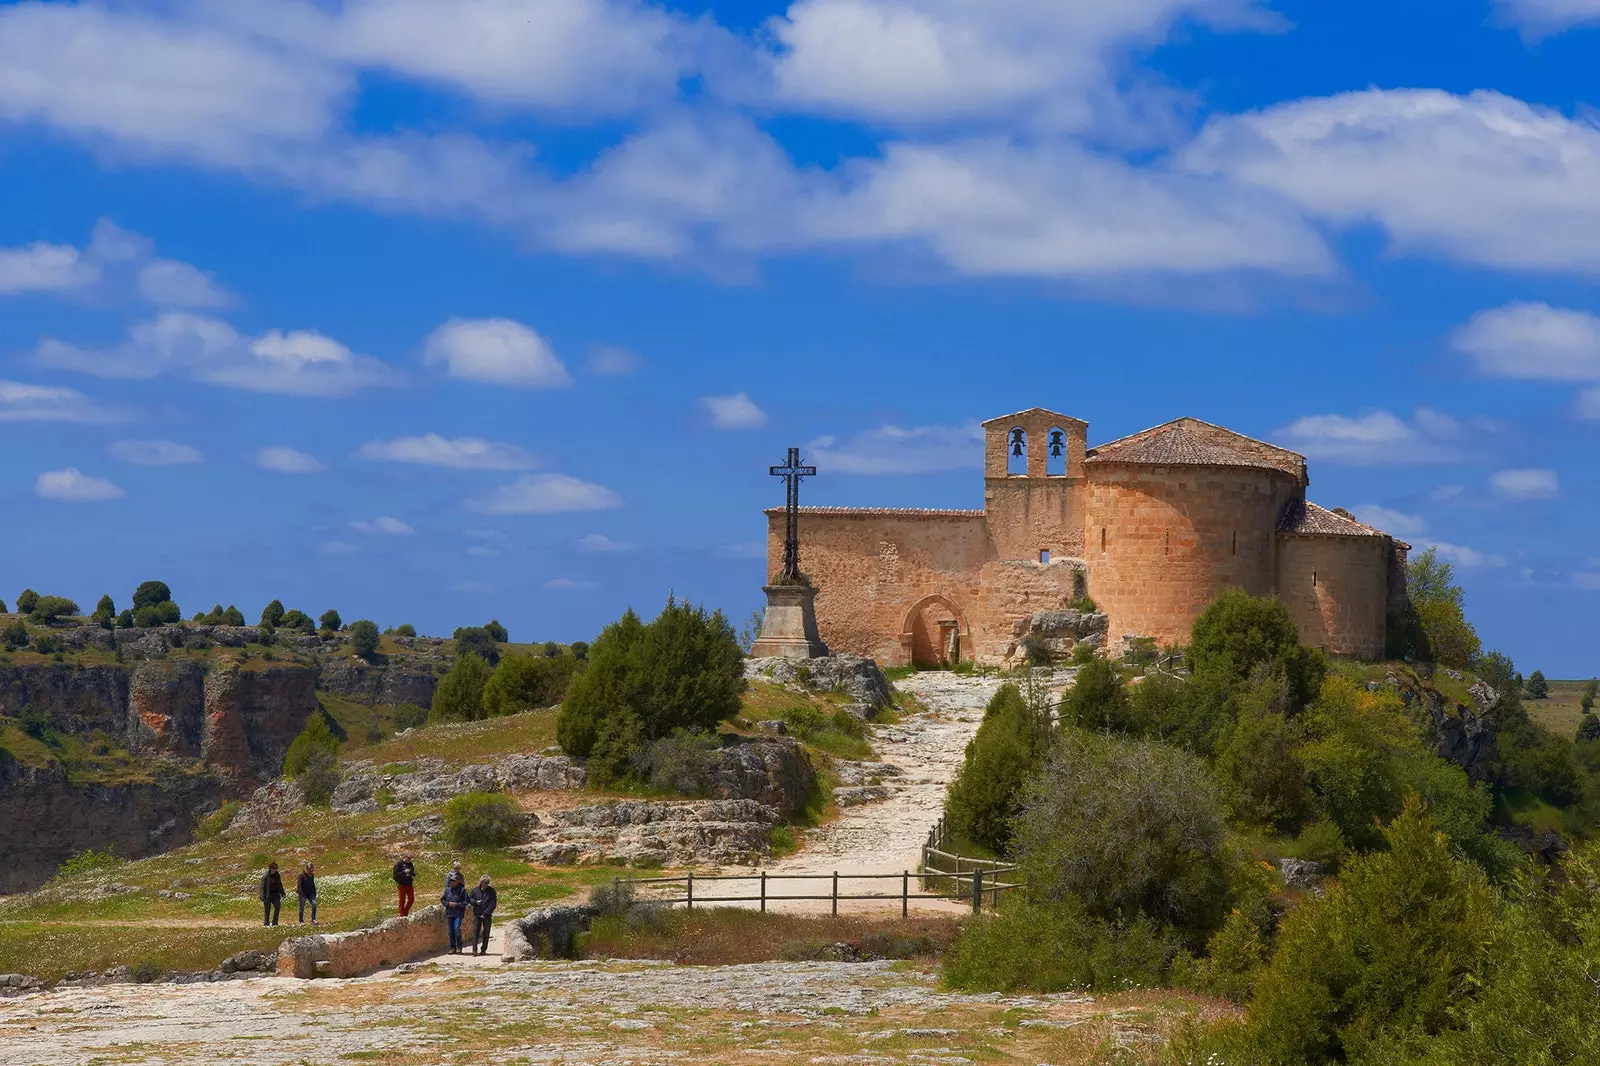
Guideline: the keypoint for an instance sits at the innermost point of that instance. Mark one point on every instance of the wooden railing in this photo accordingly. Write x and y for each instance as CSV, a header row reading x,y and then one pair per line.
x,y
979,886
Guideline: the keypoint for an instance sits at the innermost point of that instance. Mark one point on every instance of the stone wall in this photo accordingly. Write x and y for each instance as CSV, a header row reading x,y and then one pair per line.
x,y
1336,590
397,940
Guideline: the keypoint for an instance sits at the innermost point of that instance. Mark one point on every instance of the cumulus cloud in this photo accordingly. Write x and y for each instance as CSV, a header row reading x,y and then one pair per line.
x,y
1540,18
1461,555
457,453
41,267
1588,404
74,486
153,453
296,362
383,524
170,283
286,460
1483,177
1402,525
610,360
893,450
599,542
1526,484
549,494
495,350
1533,341
20,402
1382,438
734,411
113,261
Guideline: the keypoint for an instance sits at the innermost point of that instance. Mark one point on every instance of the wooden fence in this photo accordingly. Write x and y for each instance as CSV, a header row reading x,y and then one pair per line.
x,y
979,886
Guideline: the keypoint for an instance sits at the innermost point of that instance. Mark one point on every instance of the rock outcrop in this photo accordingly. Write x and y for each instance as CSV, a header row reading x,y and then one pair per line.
x,y
396,682
656,833
859,677
1056,634
1466,736
546,933
430,781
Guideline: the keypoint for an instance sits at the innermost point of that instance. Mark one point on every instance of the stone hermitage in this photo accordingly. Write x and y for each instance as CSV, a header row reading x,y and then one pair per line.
x,y
1151,526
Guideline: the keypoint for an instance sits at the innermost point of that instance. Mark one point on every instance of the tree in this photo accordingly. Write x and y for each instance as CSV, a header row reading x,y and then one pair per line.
x,y
1238,632
550,649
316,736
475,640
1590,691
298,620
272,614
1450,639
1009,745
405,629
46,609
125,619
527,683
105,613
156,614
3,607
151,593
1589,727
579,650
25,601
330,622
1098,698
496,631
459,697
16,636
364,637
1538,688
232,616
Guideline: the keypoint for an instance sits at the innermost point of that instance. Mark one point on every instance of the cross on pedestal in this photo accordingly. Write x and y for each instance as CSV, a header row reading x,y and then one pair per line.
x,y
791,471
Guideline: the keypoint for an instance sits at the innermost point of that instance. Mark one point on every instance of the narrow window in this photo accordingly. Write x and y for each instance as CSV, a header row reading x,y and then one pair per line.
x,y
1236,542
1313,579
1102,539
1044,555
1166,542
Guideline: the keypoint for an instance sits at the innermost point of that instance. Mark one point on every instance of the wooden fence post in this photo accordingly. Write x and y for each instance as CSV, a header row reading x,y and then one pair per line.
x,y
836,893
905,894
690,897
977,890
763,891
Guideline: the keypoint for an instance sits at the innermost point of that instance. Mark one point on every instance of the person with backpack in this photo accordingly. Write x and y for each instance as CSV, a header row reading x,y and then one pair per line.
x,y
483,900
405,876
306,889
271,894
455,908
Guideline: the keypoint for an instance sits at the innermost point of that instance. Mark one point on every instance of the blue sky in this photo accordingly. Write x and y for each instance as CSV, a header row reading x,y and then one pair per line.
x,y
434,311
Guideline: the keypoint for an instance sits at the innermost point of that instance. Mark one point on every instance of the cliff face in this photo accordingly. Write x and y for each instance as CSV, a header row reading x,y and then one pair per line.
x,y
392,684
45,819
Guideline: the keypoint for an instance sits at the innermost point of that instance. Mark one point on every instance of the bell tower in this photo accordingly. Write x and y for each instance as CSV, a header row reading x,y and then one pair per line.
x,y
1033,484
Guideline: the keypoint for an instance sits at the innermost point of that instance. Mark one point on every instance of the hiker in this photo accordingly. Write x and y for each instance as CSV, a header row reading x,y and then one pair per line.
x,y
405,874
455,874
483,900
271,894
306,889
455,908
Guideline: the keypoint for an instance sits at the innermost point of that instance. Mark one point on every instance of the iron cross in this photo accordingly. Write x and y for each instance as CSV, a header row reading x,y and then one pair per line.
x,y
791,472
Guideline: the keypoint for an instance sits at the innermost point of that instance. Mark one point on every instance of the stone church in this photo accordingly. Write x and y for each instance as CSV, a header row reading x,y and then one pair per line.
x,y
1151,527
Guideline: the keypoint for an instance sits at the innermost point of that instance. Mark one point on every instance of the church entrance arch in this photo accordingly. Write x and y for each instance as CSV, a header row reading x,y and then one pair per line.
x,y
934,633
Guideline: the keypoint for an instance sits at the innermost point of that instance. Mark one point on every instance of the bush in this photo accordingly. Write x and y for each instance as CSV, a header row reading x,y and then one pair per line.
x,y
985,796
527,683
405,629
684,670
364,638
105,613
319,776
157,596
47,609
482,820
1538,687
681,762
298,620
1237,633
272,614
1129,828
1590,692
26,600
1098,698
330,621
86,862
1263,781
157,614
497,632
550,649
45,644
459,697
410,716
16,636
3,608
1056,947
475,640
214,823
579,650
315,737
1589,727
1234,958
125,619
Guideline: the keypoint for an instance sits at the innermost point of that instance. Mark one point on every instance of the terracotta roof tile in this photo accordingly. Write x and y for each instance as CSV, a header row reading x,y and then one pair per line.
x,y
1191,442
1304,518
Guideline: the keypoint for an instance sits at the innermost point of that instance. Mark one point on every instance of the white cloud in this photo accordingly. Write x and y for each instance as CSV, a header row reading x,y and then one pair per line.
x,y
285,460
297,362
893,450
1588,404
495,350
170,283
1482,177
1402,525
1539,18
549,494
41,267
609,360
569,583
1462,555
20,402
114,260
734,411
74,486
458,453
599,542
383,524
338,547
1533,341
1382,438
153,453
1527,484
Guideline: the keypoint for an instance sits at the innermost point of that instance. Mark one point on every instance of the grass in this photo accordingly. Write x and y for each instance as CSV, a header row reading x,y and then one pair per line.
x,y
1562,711
729,936
460,743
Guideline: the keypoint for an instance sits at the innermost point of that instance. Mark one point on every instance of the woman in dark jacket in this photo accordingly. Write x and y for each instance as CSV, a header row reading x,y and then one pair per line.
x,y
455,909
306,889
271,894
483,900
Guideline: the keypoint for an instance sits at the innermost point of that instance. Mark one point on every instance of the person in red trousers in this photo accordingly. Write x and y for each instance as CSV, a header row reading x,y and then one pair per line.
x,y
405,875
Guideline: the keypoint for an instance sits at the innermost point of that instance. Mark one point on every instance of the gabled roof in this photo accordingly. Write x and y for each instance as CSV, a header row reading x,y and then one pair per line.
x,y
1191,442
1304,518
1056,415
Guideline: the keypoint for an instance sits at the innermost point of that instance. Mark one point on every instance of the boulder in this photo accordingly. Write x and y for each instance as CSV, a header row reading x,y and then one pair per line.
x,y
250,962
546,933
1301,874
432,782
774,771
855,675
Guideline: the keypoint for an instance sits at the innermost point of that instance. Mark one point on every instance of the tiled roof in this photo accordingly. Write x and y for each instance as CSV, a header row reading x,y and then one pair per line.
x,y
1191,442
1302,517
1057,415
893,512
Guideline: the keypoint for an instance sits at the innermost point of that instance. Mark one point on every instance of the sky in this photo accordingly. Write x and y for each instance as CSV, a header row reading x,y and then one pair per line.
x,y
433,311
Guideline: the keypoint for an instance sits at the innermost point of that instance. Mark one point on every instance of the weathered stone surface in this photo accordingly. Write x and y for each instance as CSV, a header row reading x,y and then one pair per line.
x,y
1467,736
722,832
771,770
546,933
432,782
268,808
397,940
856,675
1301,873
397,682
250,962
850,772
857,795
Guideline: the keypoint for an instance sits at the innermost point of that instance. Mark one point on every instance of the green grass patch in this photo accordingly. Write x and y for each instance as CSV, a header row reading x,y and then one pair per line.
x,y
461,743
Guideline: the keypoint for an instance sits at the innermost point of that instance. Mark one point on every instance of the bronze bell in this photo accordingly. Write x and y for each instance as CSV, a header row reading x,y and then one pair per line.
x,y
1016,442
1055,444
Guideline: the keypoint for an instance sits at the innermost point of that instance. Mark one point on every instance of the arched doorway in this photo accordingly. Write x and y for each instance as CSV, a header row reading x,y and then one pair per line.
x,y
934,633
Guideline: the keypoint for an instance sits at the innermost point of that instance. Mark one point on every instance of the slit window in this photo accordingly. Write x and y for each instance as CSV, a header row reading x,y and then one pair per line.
x,y
1044,555
1166,542
1236,542
1102,538
1313,579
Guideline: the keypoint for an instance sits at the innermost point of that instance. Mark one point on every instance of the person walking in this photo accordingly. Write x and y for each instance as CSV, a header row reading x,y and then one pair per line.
x,y
405,876
306,889
483,900
271,894
455,908
455,874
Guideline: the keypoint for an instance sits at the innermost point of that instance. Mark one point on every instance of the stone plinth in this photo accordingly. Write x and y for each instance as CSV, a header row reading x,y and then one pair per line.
x,y
789,627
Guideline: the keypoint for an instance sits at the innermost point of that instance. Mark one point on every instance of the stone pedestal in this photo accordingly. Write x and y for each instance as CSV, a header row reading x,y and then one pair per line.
x,y
789,627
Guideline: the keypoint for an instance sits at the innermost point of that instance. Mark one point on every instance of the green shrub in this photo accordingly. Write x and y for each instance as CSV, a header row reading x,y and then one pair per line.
x,y
147,970
838,732
681,762
272,615
1127,827
319,777
527,683
1538,688
316,736
214,823
405,629
1237,633
299,621
16,636
1234,957
410,716
1084,604
1056,947
476,640
1098,698
985,796
364,638
330,622
498,634
1589,727
26,600
1320,842
157,614
47,609
482,820
86,862
105,613
459,697
579,650
125,619
1263,781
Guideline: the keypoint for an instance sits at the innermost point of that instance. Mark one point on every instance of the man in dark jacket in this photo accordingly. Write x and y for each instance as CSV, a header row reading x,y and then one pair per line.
x,y
483,901
271,895
306,889
455,909
405,874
